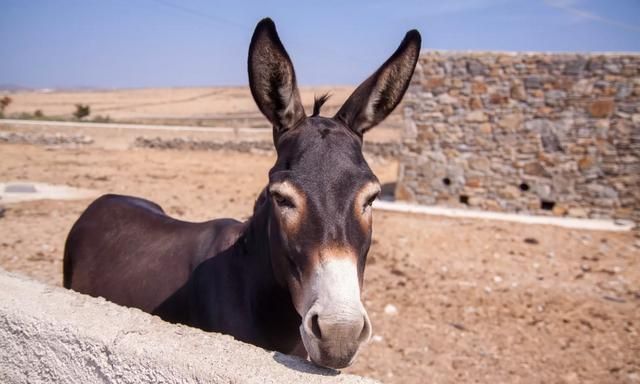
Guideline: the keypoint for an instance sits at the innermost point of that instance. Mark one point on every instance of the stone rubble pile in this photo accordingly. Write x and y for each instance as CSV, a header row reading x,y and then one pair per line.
x,y
387,150
57,139
182,143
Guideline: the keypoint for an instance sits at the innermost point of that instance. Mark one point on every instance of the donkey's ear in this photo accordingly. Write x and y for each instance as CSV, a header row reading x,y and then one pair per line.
x,y
272,79
377,96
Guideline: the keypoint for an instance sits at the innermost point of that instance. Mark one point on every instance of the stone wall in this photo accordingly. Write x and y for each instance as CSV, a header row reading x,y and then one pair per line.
x,y
537,133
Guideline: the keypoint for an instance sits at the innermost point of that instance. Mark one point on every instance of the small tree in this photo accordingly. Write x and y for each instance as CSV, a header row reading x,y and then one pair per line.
x,y
38,114
4,103
82,111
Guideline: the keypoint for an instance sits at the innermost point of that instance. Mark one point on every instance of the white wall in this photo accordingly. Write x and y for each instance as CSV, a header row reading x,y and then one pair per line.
x,y
52,335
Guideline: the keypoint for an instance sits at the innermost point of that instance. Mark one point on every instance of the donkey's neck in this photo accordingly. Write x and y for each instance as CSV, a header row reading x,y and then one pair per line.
x,y
271,302
257,250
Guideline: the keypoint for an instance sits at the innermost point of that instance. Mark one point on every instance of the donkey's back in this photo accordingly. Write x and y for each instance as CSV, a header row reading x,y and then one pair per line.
x,y
129,251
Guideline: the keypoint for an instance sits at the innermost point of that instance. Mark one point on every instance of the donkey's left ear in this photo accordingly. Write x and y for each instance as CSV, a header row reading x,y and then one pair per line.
x,y
272,79
378,96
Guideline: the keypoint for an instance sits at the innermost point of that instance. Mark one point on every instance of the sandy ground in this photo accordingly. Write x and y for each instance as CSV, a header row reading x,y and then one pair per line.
x,y
122,138
476,301
232,106
159,102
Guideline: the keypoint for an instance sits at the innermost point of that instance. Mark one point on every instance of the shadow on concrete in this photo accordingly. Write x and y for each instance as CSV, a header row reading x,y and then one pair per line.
x,y
301,365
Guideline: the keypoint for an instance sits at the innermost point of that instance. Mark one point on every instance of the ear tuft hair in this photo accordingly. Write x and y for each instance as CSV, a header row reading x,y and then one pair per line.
x,y
318,102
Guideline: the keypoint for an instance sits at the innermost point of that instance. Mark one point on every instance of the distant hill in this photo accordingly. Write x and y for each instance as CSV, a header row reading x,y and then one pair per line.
x,y
14,87
78,88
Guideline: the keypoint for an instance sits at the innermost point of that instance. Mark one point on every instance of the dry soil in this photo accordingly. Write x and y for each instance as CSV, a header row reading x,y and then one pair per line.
x,y
475,301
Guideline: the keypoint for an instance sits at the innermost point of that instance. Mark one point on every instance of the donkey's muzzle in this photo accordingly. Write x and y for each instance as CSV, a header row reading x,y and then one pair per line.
x,y
333,338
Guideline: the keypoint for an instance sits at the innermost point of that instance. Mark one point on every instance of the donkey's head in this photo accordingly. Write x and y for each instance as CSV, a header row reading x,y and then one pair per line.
x,y
320,192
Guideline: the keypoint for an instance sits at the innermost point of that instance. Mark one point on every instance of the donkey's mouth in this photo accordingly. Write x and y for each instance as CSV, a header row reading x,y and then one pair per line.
x,y
335,353
333,339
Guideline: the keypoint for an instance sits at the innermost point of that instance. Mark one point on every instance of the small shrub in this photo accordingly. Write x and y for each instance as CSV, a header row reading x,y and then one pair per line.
x,y
38,114
82,111
102,119
4,103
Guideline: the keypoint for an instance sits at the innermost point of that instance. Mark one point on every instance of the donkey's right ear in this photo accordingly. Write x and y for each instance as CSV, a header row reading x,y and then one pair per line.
x,y
272,79
377,96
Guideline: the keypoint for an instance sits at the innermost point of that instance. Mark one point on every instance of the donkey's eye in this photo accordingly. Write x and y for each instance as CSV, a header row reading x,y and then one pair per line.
x,y
282,201
370,201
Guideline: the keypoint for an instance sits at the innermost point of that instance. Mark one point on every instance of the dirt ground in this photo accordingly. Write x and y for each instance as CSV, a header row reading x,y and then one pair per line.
x,y
158,102
477,301
217,106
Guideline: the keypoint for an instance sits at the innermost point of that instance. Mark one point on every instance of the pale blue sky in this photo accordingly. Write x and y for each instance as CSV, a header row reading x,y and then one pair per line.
x,y
151,43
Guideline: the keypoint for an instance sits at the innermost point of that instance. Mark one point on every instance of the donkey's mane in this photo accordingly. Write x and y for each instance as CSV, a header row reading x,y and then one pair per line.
x,y
318,101
260,201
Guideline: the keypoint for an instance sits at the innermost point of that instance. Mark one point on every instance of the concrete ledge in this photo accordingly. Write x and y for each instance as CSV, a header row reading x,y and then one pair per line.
x,y
52,335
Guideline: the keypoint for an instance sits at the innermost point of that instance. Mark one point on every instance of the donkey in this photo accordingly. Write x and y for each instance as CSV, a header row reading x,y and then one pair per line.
x,y
287,279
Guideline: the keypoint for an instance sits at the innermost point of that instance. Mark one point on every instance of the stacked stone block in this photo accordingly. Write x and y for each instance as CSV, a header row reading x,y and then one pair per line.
x,y
555,134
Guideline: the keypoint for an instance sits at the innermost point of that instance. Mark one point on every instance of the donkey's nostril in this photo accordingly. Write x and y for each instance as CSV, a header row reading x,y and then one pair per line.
x,y
315,326
365,334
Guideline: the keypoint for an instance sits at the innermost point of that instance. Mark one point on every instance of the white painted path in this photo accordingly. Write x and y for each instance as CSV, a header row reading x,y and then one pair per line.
x,y
141,127
566,222
19,191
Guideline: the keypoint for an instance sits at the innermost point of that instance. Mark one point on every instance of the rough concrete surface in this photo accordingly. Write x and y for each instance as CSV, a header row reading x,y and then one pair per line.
x,y
52,335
